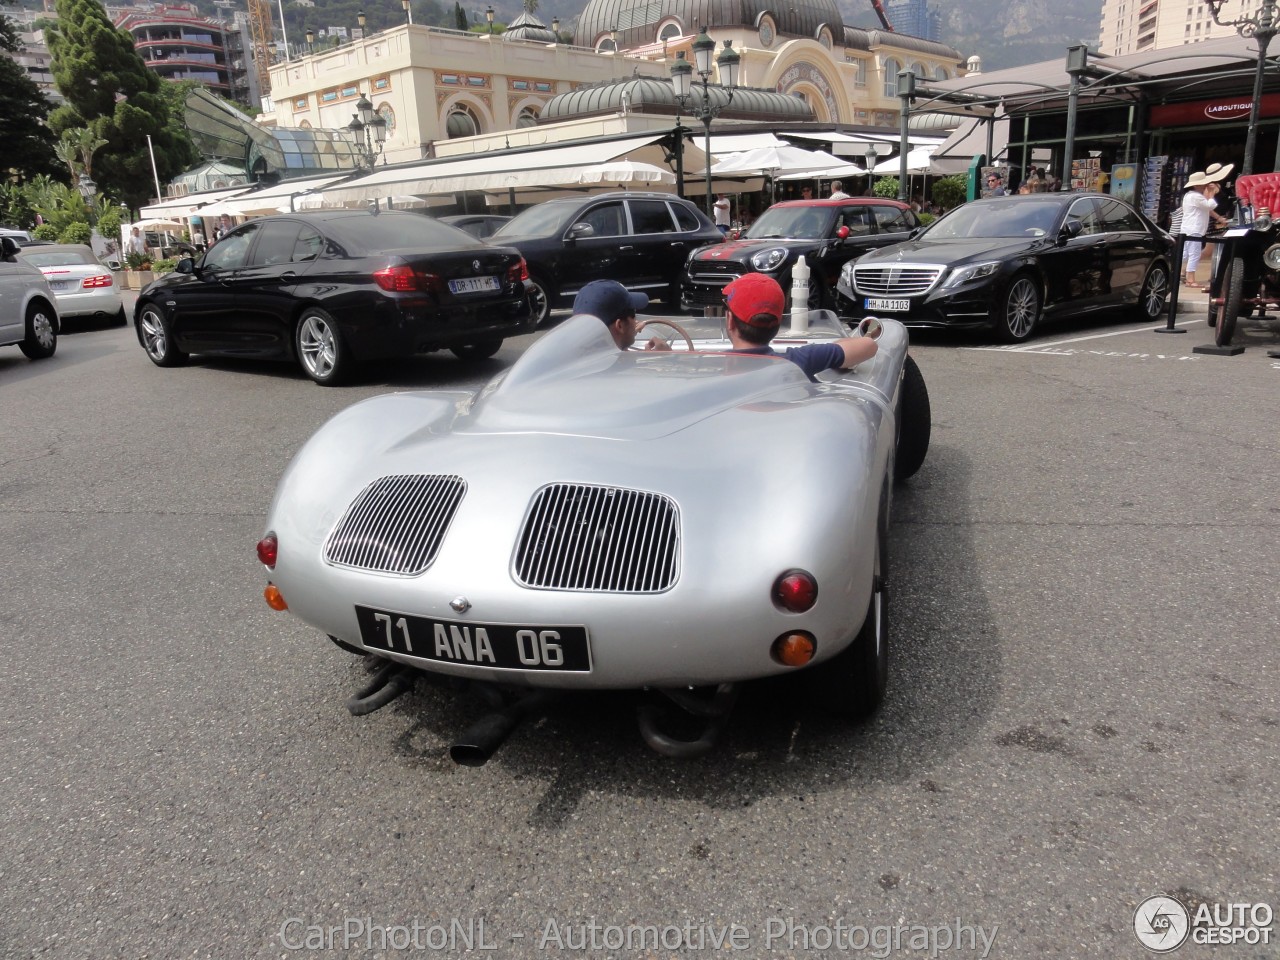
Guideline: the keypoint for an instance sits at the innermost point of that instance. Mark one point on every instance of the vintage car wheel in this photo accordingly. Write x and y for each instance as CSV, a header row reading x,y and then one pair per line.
x,y
157,337
1232,291
853,683
1154,298
540,298
42,333
915,421
1020,311
320,349
480,350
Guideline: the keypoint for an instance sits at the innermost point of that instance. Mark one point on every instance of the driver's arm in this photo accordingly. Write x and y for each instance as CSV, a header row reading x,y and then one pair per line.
x,y
856,350
657,343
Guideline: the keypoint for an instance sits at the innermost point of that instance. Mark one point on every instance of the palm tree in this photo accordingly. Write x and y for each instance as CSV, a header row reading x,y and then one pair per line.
x,y
68,154
87,143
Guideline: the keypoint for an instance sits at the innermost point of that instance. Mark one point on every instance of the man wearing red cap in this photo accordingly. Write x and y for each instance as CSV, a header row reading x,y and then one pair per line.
x,y
755,304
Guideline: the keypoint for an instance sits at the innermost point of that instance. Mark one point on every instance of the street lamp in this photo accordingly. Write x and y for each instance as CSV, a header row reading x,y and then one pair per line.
x,y
370,131
488,15
311,39
682,81
88,189
872,150
408,10
361,19
555,28
1261,27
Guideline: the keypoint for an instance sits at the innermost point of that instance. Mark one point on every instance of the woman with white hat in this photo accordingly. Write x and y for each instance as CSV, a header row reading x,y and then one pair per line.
x,y
1198,208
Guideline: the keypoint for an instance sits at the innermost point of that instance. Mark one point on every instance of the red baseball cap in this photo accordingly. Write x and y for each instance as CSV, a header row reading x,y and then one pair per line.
x,y
752,294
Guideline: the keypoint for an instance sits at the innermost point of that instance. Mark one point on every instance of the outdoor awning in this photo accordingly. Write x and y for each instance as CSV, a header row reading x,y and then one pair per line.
x,y
274,199
184,206
505,170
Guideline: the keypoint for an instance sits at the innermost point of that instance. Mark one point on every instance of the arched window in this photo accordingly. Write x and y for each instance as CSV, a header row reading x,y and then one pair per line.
x,y
670,30
941,73
606,45
918,69
891,69
461,122
389,116
528,118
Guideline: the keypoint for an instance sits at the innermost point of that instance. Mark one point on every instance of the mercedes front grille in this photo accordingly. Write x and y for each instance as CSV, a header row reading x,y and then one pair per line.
x,y
396,524
606,539
897,280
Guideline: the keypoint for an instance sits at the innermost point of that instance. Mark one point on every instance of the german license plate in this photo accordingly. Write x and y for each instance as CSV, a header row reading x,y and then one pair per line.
x,y
474,285
504,646
59,284
898,306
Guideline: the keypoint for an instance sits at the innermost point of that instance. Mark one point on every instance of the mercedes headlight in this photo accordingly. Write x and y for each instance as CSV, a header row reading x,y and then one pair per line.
x,y
846,274
975,271
767,260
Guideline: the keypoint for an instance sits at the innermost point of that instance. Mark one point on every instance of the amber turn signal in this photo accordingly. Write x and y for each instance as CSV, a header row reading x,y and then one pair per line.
x,y
794,649
274,598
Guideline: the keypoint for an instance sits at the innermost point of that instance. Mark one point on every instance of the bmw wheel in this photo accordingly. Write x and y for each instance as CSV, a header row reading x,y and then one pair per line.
x,y
320,349
42,333
156,332
1021,310
1154,298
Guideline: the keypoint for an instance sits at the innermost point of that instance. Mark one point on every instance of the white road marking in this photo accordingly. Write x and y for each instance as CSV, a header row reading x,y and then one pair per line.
x,y
1039,346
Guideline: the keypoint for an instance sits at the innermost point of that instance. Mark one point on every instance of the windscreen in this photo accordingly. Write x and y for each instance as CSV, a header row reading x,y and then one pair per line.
x,y
59,258
538,221
797,223
365,235
1025,218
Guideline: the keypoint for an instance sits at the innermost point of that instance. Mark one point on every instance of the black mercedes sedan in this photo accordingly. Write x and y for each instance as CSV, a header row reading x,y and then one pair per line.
x,y
334,288
827,233
1010,262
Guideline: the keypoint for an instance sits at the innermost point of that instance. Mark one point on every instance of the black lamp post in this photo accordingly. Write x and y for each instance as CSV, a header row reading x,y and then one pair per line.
x,y
682,80
370,131
555,28
311,39
408,10
488,15
1261,27
361,19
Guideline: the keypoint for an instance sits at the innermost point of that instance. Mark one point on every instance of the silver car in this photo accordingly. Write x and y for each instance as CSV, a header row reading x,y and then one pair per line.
x,y
28,316
82,284
675,522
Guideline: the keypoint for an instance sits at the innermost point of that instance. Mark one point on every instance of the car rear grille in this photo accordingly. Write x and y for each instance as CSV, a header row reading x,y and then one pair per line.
x,y
396,525
894,281
606,539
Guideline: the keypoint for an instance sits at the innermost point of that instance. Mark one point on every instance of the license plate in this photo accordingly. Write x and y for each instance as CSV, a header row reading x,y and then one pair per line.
x,y
504,646
899,306
474,285
60,285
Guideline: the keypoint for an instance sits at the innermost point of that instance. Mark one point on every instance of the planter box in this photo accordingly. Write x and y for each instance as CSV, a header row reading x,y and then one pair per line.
x,y
120,278
142,277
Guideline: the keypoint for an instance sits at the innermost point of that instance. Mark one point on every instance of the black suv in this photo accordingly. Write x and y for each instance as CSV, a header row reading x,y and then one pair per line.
x,y
639,239
829,233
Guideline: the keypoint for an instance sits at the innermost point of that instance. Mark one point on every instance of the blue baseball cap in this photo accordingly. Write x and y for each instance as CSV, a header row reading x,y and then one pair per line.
x,y
609,300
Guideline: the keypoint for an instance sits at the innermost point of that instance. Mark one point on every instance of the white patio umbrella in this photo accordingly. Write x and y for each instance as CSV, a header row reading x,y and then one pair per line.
x,y
832,173
158,226
775,161
624,171
918,161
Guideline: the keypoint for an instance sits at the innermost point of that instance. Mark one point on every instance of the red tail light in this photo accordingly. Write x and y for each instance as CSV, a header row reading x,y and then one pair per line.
x,y
518,272
795,591
402,278
268,548
102,280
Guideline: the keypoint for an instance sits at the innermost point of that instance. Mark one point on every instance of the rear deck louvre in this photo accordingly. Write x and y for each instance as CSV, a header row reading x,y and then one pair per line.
x,y
396,524
605,539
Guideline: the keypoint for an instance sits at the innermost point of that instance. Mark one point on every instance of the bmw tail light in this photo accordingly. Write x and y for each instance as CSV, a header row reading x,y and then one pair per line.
x,y
518,272
402,278
102,280
268,548
795,591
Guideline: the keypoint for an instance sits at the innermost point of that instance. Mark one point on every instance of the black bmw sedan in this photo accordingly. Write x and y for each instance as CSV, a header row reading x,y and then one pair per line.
x,y
1010,262
334,288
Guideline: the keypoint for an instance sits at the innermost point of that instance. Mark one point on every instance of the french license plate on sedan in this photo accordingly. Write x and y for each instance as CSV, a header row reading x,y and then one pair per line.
x,y
890,306
504,646
474,285
57,285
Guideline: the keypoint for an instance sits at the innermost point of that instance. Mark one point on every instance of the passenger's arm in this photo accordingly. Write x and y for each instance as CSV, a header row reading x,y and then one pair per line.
x,y
856,350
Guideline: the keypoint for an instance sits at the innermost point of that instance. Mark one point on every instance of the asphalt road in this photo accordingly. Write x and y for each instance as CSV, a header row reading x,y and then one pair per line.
x,y
1084,708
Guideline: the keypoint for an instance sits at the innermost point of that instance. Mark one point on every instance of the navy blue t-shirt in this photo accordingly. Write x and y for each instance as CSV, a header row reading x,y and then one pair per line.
x,y
812,358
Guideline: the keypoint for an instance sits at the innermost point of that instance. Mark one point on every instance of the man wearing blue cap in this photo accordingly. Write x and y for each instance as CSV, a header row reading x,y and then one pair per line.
x,y
616,307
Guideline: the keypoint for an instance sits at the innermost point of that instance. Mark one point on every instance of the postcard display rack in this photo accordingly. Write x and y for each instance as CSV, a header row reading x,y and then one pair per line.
x,y
1163,180
1084,173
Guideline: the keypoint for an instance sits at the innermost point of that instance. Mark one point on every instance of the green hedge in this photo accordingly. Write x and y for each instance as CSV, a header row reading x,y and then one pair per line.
x,y
78,232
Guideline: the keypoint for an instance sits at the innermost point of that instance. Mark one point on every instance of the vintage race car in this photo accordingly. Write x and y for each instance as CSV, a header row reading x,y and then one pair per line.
x,y
677,522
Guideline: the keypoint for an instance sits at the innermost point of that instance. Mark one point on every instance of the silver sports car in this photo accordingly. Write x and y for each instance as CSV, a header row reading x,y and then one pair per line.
x,y
675,522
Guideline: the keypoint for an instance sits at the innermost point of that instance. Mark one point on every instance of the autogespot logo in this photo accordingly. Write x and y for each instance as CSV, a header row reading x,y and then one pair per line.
x,y
1161,924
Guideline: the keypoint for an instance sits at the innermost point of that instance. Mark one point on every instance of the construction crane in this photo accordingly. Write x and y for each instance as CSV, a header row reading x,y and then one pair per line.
x,y
884,20
264,43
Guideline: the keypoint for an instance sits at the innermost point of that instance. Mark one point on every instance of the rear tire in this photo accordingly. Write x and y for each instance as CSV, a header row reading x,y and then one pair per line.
x,y
853,683
915,422
1232,291
540,300
156,331
41,338
480,350
321,352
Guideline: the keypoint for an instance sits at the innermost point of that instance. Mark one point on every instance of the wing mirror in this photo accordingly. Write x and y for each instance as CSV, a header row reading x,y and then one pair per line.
x,y
842,233
8,247
1070,230
580,230
185,265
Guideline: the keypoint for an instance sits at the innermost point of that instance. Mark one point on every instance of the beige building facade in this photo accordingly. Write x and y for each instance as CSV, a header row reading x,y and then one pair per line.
x,y
1131,26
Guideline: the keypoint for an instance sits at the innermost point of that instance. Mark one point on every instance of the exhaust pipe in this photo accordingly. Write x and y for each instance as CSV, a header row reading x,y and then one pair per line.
x,y
481,740
715,710
389,682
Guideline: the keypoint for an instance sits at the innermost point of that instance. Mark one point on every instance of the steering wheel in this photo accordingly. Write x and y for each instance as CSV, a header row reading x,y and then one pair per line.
x,y
673,325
